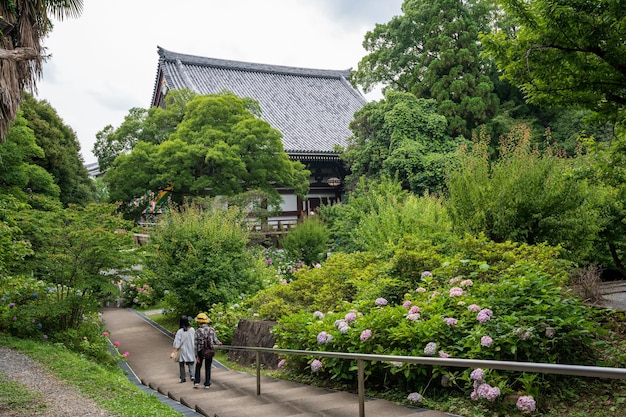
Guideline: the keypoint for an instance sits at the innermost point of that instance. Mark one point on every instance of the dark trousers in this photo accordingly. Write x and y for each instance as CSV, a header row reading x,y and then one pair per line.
x,y
207,370
181,366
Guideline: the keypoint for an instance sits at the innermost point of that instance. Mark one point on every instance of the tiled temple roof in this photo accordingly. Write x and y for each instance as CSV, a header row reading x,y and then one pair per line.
x,y
312,108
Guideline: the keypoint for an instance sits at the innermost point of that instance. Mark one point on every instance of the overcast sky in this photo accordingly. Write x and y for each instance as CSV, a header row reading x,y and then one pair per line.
x,y
104,63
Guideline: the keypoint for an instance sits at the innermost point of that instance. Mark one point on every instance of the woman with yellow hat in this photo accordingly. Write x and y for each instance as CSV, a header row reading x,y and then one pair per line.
x,y
203,333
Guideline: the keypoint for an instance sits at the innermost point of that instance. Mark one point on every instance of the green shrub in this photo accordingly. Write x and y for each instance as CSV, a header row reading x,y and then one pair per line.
x,y
308,241
511,307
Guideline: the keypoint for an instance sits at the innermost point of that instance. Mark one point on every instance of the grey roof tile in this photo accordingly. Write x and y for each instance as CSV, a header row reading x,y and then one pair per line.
x,y
312,108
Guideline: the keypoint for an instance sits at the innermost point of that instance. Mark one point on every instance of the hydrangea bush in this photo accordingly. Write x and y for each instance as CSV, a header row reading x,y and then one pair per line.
x,y
488,301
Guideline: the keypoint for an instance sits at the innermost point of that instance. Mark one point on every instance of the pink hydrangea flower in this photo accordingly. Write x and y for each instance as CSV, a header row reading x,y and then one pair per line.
x,y
456,292
316,365
117,344
420,289
466,283
443,354
427,274
488,392
413,316
486,341
451,321
126,354
365,334
415,397
105,334
406,304
380,302
455,280
477,375
526,403
282,363
473,307
414,309
351,316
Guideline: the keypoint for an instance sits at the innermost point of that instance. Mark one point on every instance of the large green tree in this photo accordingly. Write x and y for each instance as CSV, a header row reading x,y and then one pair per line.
x,y
62,158
400,136
566,52
220,148
432,51
24,25
153,125
27,182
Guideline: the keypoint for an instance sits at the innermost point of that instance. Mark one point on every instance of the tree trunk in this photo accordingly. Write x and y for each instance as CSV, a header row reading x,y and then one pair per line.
x,y
618,263
19,54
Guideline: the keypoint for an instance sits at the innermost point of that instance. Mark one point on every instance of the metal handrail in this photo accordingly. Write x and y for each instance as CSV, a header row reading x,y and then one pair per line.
x,y
535,367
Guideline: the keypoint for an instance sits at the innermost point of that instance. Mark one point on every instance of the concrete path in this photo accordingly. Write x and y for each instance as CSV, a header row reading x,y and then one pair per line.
x,y
233,394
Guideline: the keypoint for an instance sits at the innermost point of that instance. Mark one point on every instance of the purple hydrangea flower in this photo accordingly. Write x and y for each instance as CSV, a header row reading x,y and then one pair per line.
x,y
350,317
366,334
484,315
486,341
473,307
451,321
343,327
318,315
380,302
316,365
477,375
456,292
324,337
443,354
430,349
11,305
526,403
415,397
427,274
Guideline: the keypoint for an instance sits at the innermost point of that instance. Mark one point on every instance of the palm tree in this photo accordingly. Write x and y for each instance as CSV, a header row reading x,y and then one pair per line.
x,y
23,26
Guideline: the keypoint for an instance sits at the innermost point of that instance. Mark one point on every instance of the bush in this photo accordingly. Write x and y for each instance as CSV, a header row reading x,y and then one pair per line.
x,y
308,241
463,307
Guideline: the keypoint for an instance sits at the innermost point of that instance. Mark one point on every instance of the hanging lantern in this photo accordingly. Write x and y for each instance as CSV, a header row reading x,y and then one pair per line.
x,y
333,181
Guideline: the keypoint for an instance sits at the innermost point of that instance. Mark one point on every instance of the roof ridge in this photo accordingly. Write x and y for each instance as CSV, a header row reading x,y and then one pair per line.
x,y
167,55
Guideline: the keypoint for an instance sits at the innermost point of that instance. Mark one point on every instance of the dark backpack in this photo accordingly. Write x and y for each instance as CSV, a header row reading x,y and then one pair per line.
x,y
206,347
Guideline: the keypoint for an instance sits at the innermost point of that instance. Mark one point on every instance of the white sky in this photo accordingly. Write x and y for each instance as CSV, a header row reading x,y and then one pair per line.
x,y
104,63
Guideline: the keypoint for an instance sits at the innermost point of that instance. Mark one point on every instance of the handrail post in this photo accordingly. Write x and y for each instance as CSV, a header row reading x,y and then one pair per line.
x,y
361,388
258,373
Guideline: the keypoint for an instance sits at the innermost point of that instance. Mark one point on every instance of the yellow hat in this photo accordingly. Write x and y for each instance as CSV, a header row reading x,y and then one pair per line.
x,y
202,318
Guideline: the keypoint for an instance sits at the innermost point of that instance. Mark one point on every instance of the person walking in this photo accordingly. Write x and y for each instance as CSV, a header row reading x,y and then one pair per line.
x,y
185,343
203,333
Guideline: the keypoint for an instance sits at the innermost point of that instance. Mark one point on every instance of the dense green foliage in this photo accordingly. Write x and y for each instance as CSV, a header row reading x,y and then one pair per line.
x,y
308,241
377,214
199,256
565,52
400,136
526,196
478,299
432,51
61,157
218,148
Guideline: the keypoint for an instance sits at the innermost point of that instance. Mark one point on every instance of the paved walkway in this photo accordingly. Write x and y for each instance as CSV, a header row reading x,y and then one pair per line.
x,y
233,394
